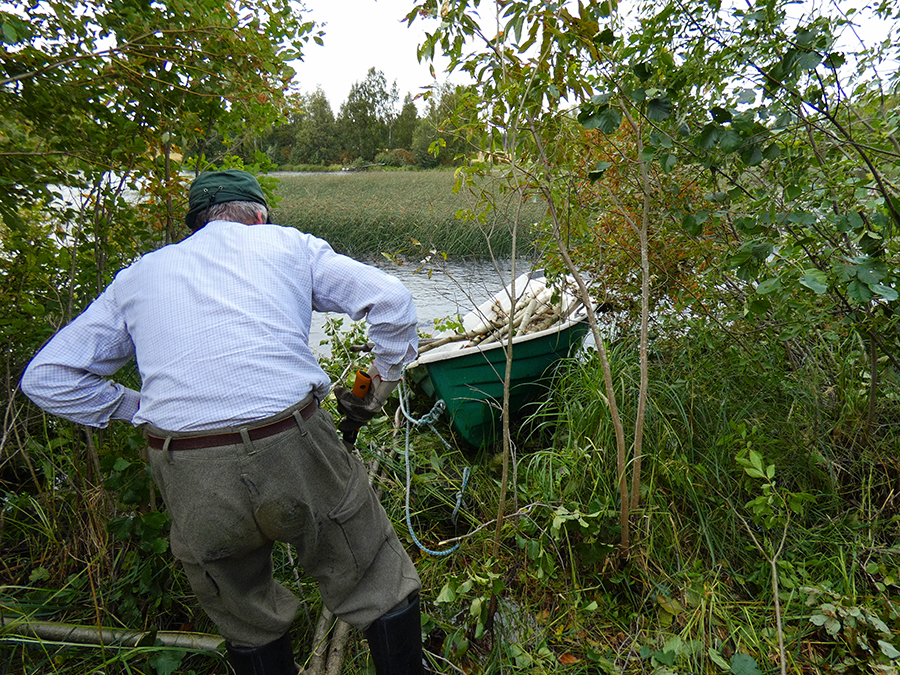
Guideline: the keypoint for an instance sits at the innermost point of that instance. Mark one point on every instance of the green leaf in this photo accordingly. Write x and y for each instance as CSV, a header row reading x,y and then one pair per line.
x,y
816,281
447,594
876,623
752,156
870,271
744,664
9,33
859,291
643,71
730,140
888,650
39,574
720,114
772,151
155,520
886,292
665,657
167,662
768,286
819,619
747,96
604,118
598,171
717,658
668,162
809,61
607,7
709,136
120,528
605,37
835,60
659,109
692,225
758,306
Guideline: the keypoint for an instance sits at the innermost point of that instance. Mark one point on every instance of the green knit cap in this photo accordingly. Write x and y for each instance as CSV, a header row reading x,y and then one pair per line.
x,y
217,187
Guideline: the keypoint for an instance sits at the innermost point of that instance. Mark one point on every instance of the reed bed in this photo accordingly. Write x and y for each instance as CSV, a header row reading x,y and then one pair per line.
x,y
402,213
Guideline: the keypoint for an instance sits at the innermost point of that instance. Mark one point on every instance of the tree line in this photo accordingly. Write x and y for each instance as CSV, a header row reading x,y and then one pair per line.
x,y
371,126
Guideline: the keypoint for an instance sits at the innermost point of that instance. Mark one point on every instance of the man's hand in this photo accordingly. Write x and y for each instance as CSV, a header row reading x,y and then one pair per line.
x,y
358,411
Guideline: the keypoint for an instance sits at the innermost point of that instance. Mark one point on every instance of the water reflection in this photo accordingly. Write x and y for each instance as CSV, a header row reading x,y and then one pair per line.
x,y
453,287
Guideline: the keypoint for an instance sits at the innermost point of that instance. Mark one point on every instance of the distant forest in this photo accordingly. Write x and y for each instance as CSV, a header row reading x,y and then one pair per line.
x,y
371,126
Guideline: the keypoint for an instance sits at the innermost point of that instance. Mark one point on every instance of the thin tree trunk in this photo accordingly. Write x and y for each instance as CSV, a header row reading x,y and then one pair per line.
x,y
584,294
643,235
873,383
167,149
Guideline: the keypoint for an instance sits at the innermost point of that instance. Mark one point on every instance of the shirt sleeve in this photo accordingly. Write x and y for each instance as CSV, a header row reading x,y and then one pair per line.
x,y
68,377
341,284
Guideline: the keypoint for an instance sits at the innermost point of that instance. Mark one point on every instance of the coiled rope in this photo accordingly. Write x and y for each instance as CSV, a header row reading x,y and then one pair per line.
x,y
412,423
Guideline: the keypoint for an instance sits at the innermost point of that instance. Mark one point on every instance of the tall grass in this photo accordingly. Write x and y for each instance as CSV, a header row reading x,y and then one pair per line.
x,y
398,213
696,568
695,594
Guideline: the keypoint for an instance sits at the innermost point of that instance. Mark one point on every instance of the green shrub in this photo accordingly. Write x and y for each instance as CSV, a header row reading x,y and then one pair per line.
x,y
397,158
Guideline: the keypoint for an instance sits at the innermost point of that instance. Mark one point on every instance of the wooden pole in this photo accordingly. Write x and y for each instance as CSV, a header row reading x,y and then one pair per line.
x,y
110,637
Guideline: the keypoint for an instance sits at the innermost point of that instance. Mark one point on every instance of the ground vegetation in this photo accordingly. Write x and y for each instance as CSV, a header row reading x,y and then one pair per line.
x,y
709,487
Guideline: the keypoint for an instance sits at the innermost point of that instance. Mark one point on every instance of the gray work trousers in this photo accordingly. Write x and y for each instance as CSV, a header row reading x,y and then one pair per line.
x,y
229,504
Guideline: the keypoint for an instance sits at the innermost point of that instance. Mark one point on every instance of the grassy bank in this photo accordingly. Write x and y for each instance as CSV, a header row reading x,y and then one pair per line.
x,y
763,462
398,212
695,595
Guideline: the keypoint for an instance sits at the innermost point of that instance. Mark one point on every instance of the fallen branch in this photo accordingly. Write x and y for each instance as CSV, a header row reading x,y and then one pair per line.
x,y
111,637
321,639
336,646
524,511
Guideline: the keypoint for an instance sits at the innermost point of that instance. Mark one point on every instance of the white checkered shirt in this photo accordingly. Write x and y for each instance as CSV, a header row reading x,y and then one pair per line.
x,y
219,327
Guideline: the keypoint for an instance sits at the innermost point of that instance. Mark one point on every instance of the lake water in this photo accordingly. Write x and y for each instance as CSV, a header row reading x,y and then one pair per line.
x,y
452,288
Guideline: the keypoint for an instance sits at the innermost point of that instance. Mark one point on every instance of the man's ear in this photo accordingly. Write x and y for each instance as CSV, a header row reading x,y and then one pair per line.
x,y
260,218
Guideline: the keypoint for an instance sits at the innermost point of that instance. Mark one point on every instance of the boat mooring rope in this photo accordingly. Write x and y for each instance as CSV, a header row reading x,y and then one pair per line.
x,y
426,420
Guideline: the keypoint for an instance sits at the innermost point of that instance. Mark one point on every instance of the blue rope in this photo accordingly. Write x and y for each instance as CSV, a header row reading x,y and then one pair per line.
x,y
427,420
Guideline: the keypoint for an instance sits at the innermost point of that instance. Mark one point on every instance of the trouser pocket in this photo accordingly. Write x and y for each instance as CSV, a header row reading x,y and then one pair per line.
x,y
361,521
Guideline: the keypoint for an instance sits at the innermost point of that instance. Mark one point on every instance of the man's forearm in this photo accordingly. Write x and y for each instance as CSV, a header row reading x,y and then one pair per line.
x,y
79,396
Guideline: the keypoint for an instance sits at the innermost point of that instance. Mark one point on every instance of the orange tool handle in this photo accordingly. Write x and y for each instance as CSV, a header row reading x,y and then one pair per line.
x,y
362,384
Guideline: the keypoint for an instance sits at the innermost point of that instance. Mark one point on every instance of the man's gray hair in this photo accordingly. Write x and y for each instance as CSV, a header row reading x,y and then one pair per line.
x,y
236,212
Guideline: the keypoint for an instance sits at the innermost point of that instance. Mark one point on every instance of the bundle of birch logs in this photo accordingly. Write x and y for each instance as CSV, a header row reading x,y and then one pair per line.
x,y
533,311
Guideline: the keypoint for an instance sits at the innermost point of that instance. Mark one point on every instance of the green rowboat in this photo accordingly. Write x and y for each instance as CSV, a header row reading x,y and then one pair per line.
x,y
468,374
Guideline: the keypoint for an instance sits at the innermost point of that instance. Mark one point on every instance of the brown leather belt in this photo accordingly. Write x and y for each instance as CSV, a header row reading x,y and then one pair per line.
x,y
231,438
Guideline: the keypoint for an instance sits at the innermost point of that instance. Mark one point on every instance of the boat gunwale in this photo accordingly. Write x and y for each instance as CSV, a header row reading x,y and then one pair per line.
x,y
456,350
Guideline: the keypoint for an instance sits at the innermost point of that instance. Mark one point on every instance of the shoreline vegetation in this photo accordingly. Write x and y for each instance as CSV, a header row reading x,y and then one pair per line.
x,y
709,488
764,483
400,213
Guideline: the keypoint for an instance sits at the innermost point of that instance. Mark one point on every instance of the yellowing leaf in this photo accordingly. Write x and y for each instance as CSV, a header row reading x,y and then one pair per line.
x,y
670,605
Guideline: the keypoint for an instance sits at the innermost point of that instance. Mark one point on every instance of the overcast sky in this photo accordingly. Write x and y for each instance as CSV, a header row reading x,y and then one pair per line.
x,y
364,34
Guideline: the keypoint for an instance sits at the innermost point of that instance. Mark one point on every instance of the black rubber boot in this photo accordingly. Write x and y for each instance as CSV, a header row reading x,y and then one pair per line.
x,y
275,658
395,641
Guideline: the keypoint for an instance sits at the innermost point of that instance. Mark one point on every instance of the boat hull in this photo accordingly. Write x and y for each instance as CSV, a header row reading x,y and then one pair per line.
x,y
470,380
